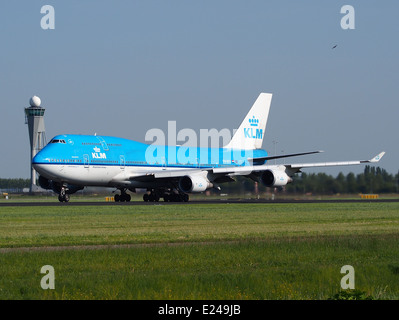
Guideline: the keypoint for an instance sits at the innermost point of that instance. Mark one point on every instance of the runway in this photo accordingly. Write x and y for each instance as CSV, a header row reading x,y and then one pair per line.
x,y
224,201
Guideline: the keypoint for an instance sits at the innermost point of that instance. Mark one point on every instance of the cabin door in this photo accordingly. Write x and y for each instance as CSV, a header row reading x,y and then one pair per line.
x,y
122,162
86,160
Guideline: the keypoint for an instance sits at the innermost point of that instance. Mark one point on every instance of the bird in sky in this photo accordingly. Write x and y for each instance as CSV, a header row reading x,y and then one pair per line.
x,y
334,47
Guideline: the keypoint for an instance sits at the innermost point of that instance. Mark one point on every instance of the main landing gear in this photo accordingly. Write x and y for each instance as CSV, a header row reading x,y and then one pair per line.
x,y
168,196
123,197
154,195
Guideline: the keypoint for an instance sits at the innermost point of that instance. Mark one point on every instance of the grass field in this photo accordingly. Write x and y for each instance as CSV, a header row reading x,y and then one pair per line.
x,y
204,251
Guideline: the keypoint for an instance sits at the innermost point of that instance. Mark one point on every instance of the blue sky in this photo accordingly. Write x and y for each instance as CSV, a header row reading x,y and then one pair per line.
x,y
121,68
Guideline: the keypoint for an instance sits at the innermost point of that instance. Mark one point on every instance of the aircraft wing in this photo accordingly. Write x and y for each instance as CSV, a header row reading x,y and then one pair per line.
x,y
247,170
299,166
292,168
199,179
164,174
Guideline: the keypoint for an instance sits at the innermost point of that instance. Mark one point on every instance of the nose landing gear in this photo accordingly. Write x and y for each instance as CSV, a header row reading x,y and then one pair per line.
x,y
63,196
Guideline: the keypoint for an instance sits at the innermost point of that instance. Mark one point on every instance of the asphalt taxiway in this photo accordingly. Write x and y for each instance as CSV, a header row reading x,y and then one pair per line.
x,y
224,201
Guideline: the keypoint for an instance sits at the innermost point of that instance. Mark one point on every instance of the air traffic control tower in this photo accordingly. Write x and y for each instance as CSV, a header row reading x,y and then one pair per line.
x,y
34,117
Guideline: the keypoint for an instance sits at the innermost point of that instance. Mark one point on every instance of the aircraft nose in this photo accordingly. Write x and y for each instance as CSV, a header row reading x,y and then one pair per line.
x,y
40,157
40,162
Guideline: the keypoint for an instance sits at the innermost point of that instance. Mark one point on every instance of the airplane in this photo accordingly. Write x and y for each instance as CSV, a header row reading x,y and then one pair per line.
x,y
70,162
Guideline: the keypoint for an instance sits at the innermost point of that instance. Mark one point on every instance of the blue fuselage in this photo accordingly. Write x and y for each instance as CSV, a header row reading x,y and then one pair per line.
x,y
87,150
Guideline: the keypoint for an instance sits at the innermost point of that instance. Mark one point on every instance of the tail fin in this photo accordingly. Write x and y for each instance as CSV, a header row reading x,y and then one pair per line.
x,y
250,134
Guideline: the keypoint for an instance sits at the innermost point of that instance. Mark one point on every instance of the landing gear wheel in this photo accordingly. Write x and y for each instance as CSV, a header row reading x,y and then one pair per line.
x,y
176,197
152,197
63,196
122,197
167,195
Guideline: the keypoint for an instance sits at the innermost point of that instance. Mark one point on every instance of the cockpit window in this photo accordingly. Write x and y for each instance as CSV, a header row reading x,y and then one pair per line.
x,y
58,141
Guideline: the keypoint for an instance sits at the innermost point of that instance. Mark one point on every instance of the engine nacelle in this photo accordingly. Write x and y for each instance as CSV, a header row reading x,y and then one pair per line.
x,y
195,183
274,178
45,183
56,187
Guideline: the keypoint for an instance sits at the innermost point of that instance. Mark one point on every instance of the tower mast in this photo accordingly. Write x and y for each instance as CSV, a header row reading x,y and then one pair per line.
x,y
34,117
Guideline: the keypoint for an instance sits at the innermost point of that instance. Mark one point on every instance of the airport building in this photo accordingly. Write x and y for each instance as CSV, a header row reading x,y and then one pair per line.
x,y
34,118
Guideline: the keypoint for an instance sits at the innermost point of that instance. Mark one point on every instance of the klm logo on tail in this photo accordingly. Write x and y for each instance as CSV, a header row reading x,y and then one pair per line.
x,y
253,132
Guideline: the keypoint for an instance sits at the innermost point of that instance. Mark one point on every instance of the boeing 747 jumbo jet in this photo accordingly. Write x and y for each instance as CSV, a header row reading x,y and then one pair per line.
x,y
70,162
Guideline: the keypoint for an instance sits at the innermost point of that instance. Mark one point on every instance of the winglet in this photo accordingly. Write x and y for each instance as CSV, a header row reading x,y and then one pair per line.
x,y
377,157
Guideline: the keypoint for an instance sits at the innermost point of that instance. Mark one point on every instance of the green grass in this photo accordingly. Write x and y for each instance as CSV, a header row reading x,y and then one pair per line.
x,y
236,251
92,225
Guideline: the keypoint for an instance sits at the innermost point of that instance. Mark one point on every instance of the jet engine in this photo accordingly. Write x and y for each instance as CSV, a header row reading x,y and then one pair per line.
x,y
45,183
56,187
195,183
274,178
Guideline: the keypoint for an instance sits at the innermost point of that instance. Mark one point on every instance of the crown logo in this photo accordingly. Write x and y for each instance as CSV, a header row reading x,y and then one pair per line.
x,y
253,122
96,149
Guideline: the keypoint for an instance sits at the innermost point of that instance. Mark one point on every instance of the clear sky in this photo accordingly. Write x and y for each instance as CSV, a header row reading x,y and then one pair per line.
x,y
123,67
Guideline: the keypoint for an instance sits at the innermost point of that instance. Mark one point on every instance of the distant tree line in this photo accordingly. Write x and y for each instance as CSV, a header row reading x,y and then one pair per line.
x,y
14,184
372,180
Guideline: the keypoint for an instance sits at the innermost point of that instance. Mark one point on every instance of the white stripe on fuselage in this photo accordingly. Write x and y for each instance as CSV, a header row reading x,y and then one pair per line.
x,y
97,175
